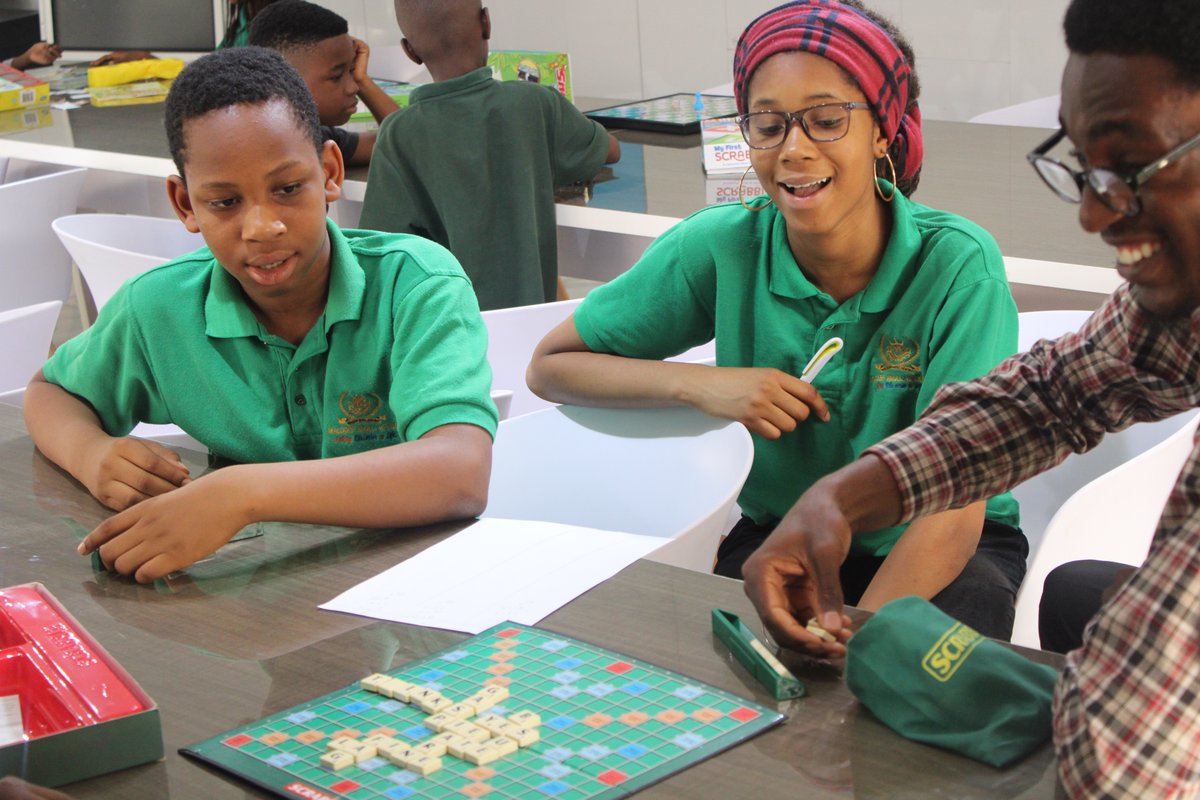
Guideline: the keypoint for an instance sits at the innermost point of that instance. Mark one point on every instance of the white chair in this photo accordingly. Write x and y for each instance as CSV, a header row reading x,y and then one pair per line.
x,y
25,335
1113,518
513,333
1041,496
111,248
668,472
34,268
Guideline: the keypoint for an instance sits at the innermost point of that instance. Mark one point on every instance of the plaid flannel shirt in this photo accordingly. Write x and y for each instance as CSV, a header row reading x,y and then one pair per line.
x,y
1126,708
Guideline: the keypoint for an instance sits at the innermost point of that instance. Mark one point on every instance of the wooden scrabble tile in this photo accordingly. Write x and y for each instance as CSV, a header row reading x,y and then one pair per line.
x,y
340,743
525,719
396,754
422,764
459,710
457,745
505,745
379,741
479,753
524,736
374,682
494,724
431,747
429,700
337,760
439,721
468,730
396,689
487,697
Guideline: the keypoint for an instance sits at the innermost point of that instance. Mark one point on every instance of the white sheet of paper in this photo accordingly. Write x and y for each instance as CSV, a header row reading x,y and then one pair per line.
x,y
12,728
493,571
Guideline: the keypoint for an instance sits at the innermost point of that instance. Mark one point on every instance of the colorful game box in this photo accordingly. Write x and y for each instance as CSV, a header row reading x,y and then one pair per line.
x,y
548,69
21,90
722,147
67,709
514,712
672,113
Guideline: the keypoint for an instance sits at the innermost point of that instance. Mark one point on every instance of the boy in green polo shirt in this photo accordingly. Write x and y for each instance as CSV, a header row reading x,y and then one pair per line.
x,y
344,373
472,162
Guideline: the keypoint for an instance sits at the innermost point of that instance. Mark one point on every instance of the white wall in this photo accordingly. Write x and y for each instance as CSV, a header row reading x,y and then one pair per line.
x,y
972,55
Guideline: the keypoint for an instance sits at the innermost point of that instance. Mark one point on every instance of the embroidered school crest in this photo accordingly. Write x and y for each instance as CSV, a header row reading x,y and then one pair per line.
x,y
899,364
359,407
364,421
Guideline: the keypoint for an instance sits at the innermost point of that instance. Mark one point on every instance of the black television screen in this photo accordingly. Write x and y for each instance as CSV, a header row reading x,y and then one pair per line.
x,y
157,25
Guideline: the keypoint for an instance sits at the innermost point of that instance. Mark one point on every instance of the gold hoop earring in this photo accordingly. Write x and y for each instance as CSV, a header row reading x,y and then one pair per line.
x,y
878,191
741,195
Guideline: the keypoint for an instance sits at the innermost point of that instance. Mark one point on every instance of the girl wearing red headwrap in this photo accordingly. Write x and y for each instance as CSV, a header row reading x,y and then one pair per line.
x,y
828,103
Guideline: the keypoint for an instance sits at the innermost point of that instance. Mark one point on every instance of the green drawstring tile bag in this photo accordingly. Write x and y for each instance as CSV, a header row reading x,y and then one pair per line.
x,y
937,681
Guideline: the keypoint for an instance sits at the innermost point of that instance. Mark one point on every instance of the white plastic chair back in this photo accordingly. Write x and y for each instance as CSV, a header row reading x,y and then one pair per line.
x,y
1041,496
25,335
1113,518
109,249
668,472
512,335
34,268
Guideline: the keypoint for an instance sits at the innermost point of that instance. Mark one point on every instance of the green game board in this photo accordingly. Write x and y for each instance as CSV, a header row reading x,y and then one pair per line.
x,y
610,725
672,113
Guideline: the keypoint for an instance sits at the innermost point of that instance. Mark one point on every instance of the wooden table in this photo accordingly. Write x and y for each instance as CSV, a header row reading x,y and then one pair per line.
x,y
240,637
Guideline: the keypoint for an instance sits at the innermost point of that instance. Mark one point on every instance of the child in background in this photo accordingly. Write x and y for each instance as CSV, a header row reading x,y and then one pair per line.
x,y
344,375
472,163
828,105
317,42
240,14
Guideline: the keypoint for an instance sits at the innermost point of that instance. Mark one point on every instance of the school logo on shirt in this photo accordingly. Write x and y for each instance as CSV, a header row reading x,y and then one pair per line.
x,y
362,420
950,652
899,364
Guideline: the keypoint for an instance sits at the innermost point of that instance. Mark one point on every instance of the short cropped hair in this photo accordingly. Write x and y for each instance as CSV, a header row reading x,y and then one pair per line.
x,y
1169,29
235,76
295,24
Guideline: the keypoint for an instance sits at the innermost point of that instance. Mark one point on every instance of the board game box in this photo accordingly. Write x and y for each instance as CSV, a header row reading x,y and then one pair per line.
x,y
68,711
514,712
21,90
672,113
548,69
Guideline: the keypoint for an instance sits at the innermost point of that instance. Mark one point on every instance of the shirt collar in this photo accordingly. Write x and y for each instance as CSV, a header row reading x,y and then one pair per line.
x,y
462,83
227,316
890,281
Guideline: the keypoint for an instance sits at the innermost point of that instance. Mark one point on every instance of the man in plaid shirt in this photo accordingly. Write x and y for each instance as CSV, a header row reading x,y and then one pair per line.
x,y
1126,714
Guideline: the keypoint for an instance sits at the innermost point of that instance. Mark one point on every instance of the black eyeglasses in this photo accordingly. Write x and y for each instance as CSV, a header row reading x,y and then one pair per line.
x,y
1118,192
828,122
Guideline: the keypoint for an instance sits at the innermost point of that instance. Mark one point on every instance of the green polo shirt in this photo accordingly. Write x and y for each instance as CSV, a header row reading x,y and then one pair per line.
x,y
938,310
400,350
472,163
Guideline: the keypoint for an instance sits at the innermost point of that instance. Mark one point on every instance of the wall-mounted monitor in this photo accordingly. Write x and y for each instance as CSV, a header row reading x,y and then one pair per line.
x,y
157,25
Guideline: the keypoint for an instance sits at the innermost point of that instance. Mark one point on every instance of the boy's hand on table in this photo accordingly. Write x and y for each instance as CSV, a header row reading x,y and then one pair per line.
x,y
767,401
121,472
362,52
169,532
794,576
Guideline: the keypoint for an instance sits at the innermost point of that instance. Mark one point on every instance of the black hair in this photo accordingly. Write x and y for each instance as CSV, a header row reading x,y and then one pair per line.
x,y
906,186
1169,29
234,76
295,24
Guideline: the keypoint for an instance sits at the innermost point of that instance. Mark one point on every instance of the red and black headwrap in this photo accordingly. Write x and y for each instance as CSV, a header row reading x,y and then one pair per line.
x,y
856,44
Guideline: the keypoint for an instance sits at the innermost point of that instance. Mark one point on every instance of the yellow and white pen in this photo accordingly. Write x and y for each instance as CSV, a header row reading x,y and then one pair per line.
x,y
818,362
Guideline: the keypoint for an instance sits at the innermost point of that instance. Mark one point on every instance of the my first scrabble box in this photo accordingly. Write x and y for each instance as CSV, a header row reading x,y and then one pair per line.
x,y
68,711
21,90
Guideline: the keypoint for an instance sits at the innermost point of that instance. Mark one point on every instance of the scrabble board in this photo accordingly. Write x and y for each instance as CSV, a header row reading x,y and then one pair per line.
x,y
672,113
593,724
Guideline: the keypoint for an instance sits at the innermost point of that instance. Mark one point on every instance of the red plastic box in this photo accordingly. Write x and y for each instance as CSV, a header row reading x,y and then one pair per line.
x,y
81,713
